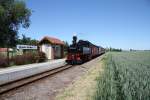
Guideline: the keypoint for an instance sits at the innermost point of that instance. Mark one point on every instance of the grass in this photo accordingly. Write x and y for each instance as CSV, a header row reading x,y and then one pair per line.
x,y
84,87
126,76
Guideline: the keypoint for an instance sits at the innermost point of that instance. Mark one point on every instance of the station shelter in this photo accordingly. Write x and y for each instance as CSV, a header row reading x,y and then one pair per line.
x,y
52,47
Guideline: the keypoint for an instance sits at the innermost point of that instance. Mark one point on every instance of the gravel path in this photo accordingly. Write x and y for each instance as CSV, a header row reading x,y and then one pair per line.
x,y
46,88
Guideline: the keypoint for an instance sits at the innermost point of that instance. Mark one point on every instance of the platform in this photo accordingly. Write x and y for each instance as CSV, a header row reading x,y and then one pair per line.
x,y
19,72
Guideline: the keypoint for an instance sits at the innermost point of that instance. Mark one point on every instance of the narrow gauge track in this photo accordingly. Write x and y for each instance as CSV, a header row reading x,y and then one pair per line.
x,y
12,85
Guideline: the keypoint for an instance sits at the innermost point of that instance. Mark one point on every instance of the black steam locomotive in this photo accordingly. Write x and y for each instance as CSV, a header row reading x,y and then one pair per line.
x,y
82,51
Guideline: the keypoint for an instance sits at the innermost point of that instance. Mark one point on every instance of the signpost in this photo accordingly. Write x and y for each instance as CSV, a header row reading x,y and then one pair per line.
x,y
26,47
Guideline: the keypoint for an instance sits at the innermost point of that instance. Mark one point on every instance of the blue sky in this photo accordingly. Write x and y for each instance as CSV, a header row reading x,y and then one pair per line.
x,y
117,23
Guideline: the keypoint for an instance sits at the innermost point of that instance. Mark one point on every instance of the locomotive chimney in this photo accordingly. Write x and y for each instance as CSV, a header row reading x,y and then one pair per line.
x,y
74,40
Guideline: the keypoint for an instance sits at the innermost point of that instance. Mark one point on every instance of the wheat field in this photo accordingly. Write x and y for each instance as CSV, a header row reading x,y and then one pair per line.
x,y
126,76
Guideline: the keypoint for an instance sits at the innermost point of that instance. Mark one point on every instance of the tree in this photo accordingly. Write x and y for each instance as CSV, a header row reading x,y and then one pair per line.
x,y
13,15
66,45
27,41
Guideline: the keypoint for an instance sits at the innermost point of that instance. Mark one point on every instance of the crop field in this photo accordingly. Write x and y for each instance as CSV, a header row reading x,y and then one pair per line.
x,y
126,76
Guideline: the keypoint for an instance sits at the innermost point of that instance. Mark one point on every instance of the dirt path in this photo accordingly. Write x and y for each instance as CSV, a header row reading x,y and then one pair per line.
x,y
48,87
85,87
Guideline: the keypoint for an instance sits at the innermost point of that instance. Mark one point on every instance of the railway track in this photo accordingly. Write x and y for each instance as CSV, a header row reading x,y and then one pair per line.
x,y
15,84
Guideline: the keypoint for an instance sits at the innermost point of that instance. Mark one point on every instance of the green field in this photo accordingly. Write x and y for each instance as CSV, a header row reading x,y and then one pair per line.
x,y
126,76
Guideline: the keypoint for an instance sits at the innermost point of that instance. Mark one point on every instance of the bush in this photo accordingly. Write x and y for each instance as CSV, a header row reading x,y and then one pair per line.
x,y
29,58
23,59
40,57
3,62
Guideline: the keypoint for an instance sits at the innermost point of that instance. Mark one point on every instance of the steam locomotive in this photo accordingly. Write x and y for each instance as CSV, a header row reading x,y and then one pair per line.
x,y
82,51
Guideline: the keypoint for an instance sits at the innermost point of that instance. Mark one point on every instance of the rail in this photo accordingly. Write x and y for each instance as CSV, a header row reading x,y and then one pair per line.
x,y
9,86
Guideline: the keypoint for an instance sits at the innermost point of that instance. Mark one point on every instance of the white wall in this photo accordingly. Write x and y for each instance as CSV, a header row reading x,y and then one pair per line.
x,y
47,49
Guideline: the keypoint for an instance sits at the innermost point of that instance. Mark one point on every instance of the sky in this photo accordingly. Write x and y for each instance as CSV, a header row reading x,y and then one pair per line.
x,y
109,23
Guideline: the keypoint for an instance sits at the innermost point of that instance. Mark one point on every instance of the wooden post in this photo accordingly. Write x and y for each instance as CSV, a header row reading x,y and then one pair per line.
x,y
8,60
62,51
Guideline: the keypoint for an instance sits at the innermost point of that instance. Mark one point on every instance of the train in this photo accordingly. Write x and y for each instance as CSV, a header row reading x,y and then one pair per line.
x,y
82,51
